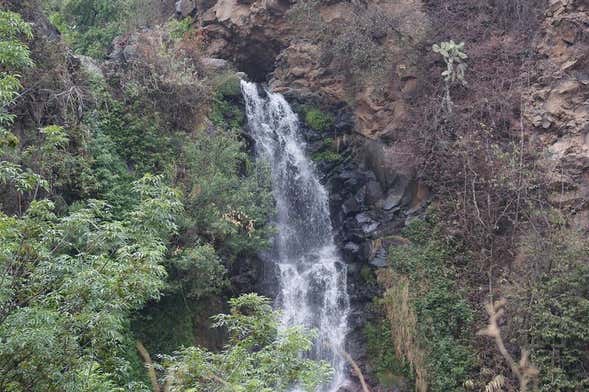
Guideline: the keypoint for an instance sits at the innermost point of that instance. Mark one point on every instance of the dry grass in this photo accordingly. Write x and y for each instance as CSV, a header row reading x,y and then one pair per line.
x,y
403,324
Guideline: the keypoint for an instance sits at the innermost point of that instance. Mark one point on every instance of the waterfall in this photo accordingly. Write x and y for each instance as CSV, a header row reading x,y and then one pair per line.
x,y
312,276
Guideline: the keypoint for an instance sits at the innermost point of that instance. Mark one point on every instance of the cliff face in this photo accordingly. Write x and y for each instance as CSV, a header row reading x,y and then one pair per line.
x,y
259,38
557,104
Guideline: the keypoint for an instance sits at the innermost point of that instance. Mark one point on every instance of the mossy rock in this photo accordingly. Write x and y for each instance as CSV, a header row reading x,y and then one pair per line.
x,y
326,156
318,120
230,87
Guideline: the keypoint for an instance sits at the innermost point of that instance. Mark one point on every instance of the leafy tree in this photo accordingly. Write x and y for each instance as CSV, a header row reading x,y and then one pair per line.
x,y
259,357
227,196
70,283
14,55
89,25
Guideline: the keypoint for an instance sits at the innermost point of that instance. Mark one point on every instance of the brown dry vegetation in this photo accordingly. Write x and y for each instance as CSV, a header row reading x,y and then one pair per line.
x,y
481,160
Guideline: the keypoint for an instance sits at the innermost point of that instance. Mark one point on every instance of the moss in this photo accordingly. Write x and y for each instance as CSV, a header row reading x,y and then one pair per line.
x,y
318,120
227,112
384,363
367,274
326,156
229,86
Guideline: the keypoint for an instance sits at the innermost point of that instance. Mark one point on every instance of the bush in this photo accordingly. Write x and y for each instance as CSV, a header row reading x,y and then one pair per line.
x,y
326,156
441,354
318,120
383,361
179,28
551,307
260,357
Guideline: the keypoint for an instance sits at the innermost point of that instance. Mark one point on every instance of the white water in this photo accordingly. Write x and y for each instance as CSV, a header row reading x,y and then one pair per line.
x,y
312,276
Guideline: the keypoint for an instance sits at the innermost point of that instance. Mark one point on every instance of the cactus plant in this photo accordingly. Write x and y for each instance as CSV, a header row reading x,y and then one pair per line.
x,y
454,57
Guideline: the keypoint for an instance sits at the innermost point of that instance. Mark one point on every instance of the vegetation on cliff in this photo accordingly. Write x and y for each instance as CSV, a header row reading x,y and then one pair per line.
x,y
131,210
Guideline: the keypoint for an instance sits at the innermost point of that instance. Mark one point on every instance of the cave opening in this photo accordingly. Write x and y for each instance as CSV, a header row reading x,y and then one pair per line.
x,y
257,60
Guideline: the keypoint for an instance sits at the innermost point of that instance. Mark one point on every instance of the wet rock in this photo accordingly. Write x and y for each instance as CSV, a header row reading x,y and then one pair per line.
x,y
360,196
374,192
185,8
364,218
370,227
393,199
350,251
344,121
380,259
352,247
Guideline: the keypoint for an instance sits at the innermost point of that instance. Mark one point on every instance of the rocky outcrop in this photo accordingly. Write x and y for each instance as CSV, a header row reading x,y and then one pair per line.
x,y
258,38
558,105
250,34
301,69
373,192
378,115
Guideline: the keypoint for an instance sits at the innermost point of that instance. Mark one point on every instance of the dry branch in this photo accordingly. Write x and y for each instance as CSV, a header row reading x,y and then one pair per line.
x,y
524,370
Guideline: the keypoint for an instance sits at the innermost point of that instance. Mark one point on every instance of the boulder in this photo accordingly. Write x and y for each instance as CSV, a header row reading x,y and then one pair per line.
x,y
185,8
213,63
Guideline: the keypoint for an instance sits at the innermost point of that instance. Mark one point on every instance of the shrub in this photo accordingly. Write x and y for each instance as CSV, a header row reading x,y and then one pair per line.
x,y
179,28
318,120
550,302
424,276
326,156
229,86
260,357
382,358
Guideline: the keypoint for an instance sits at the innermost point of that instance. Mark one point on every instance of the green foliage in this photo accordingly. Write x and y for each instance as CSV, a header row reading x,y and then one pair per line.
x,y
228,198
167,325
318,120
71,282
199,272
551,307
326,156
14,55
90,25
136,136
381,356
226,111
444,316
260,357
23,180
93,238
229,86
13,52
179,28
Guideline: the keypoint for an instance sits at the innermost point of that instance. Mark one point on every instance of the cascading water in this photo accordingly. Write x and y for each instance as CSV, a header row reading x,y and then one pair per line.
x,y
312,276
